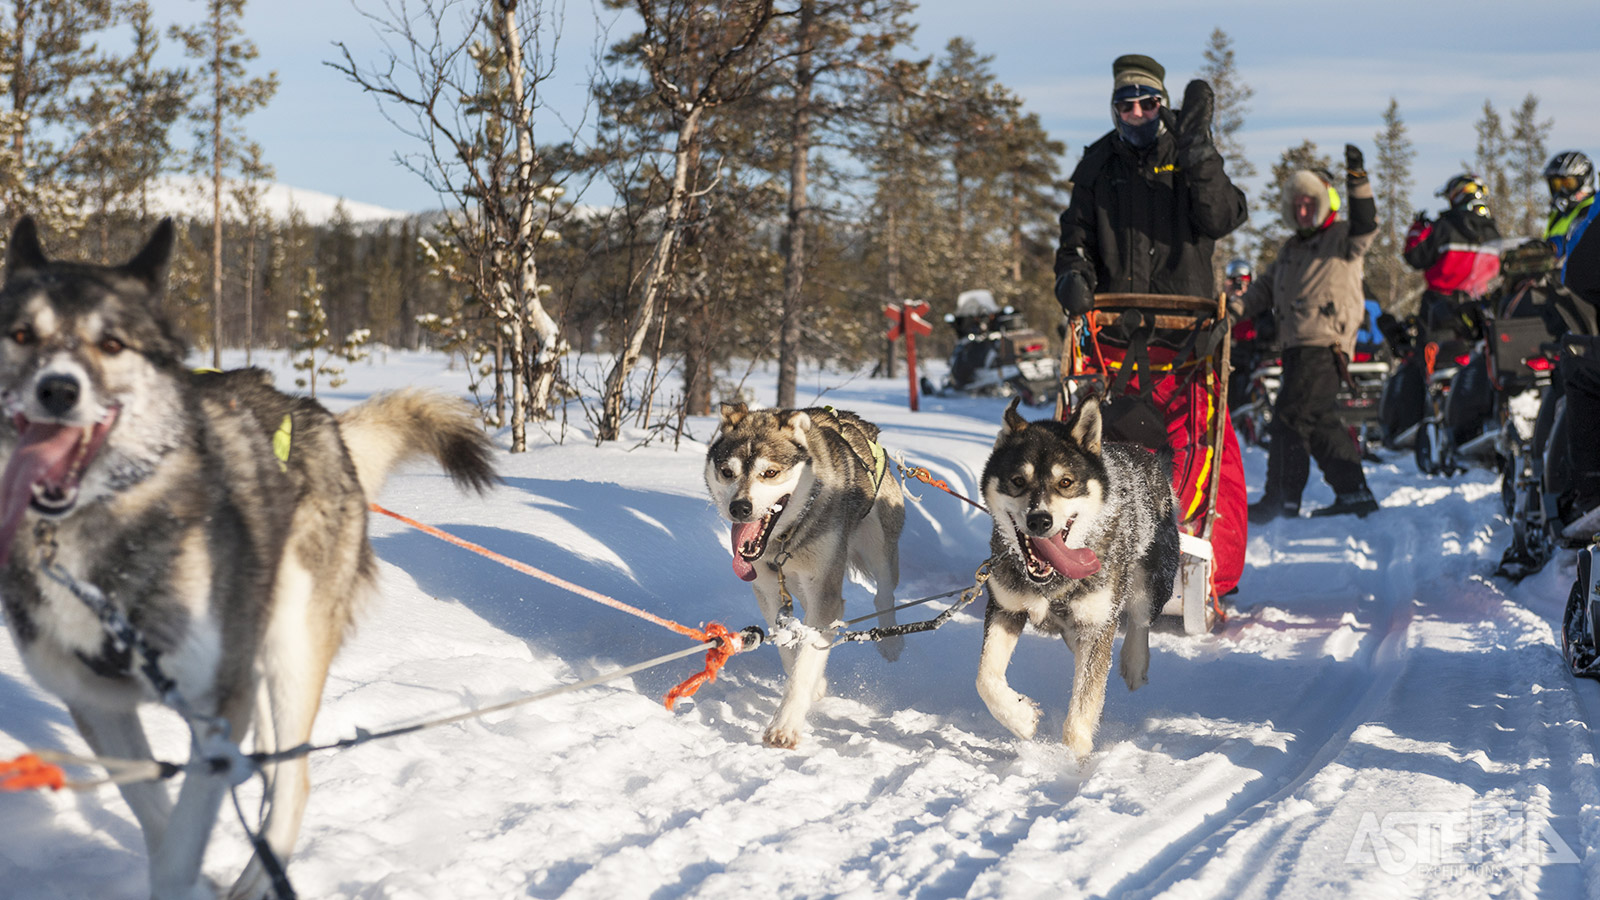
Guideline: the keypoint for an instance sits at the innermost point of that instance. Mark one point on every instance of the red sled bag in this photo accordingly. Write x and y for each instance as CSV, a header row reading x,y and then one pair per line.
x,y
1159,364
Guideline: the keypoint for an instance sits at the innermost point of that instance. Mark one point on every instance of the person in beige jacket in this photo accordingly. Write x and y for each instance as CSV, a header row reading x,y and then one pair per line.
x,y
1314,291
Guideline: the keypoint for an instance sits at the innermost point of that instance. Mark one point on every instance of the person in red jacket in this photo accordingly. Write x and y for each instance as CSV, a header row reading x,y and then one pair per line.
x,y
1459,256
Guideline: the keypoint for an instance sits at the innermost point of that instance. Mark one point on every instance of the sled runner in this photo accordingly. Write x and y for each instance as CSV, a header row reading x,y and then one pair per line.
x,y
1160,362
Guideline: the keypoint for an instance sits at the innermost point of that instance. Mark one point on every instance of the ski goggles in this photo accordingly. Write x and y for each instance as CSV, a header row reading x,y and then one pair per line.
x,y
1144,104
1564,184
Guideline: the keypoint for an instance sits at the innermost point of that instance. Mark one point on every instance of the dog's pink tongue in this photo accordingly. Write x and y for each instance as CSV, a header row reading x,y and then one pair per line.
x,y
1073,563
744,533
44,452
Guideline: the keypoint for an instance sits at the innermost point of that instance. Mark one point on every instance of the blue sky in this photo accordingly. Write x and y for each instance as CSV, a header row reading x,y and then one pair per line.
x,y
1322,72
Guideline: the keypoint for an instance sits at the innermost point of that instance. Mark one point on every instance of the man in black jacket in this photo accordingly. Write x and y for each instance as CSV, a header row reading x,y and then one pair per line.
x,y
1149,199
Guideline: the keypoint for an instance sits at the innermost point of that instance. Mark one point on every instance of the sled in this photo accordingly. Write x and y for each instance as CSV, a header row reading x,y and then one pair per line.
x,y
1160,365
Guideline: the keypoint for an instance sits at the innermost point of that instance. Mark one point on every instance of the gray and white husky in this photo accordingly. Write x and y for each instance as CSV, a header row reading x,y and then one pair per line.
x,y
1084,534
226,521
810,489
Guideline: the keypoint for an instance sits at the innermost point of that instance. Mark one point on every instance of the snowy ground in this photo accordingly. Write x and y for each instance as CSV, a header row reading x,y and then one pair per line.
x,y
1378,717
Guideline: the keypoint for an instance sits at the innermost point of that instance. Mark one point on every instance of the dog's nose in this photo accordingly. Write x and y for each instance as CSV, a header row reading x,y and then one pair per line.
x,y
58,394
1038,522
740,509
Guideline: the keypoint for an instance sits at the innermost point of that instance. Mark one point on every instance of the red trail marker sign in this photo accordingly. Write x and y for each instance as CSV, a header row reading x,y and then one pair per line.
x,y
908,319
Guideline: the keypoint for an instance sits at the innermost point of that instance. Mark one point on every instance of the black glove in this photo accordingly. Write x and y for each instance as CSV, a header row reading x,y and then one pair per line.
x,y
1194,125
1073,293
1355,167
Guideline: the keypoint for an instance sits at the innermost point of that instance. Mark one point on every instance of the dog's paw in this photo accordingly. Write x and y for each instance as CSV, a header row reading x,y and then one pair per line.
x,y
781,737
1020,716
1135,672
1078,738
889,648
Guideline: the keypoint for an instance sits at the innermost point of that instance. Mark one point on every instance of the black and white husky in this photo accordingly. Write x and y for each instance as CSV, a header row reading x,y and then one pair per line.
x,y
1084,534
810,489
225,521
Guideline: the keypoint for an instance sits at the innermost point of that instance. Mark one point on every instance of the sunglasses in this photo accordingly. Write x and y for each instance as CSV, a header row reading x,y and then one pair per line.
x,y
1564,184
1144,104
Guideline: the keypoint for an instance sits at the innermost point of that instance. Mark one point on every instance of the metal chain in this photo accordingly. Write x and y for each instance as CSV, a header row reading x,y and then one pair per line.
x,y
979,579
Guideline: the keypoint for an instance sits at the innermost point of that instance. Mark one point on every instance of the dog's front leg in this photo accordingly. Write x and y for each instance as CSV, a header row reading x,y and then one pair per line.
x,y
824,604
175,862
120,735
1093,666
1001,631
1135,659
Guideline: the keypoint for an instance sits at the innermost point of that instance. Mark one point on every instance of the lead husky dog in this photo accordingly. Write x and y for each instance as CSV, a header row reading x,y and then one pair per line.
x,y
1084,533
240,566
807,488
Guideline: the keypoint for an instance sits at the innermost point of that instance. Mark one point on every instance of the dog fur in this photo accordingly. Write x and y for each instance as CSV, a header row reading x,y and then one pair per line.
x,y
160,487
1063,500
806,474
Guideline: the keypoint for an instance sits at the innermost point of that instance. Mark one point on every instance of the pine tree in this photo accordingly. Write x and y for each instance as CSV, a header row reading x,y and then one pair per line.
x,y
308,325
1489,159
1387,273
1232,103
228,94
1527,152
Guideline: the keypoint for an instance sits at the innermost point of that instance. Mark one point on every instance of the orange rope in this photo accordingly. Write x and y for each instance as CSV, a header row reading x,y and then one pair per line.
x,y
28,771
726,643
926,477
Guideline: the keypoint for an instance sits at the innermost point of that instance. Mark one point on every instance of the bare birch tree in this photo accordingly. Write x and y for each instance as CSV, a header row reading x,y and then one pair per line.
x,y
691,52
468,72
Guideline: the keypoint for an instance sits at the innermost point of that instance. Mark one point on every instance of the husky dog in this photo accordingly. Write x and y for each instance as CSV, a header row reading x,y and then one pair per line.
x,y
227,522
1083,533
807,489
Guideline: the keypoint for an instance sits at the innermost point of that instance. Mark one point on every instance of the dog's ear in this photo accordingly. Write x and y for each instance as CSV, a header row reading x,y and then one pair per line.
x,y
150,265
1014,420
25,252
733,414
800,423
1085,425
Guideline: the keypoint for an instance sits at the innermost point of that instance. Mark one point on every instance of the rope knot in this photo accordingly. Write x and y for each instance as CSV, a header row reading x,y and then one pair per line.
x,y
28,772
725,644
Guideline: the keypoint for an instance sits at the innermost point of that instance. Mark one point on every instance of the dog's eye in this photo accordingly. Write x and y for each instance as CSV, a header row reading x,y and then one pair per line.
x,y
1018,481
1065,482
111,346
23,335
726,471
770,473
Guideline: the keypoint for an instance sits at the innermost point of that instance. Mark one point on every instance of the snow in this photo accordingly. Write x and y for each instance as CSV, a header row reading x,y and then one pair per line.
x,y
190,197
1378,718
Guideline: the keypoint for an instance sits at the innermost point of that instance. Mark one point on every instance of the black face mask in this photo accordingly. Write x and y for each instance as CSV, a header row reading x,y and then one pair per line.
x,y
1140,136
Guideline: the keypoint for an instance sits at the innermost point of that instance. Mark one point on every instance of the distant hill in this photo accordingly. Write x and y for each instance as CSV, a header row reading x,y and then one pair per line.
x,y
188,196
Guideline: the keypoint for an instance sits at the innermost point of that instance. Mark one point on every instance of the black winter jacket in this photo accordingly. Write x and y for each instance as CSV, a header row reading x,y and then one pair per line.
x,y
1136,224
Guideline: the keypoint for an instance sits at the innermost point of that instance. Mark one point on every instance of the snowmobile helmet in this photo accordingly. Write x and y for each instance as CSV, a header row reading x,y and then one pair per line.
x,y
1238,268
1461,191
1570,176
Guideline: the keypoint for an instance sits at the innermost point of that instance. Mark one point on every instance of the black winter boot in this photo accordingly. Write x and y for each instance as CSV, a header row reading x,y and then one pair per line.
x,y
1358,502
1268,508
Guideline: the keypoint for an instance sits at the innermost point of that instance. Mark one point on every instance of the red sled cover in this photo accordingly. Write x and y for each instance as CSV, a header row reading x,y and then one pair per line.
x,y
1210,491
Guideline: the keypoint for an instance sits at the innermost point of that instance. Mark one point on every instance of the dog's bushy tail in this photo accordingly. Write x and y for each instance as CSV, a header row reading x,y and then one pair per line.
x,y
397,426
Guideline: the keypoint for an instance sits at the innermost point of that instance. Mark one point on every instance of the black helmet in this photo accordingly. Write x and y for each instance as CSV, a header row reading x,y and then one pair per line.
x,y
1238,268
1463,190
1571,178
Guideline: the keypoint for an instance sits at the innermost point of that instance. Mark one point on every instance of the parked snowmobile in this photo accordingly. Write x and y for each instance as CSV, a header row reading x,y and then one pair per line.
x,y
1580,624
997,354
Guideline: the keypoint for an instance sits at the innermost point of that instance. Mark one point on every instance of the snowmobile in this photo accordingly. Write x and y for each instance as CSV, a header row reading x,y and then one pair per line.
x,y
1580,624
997,354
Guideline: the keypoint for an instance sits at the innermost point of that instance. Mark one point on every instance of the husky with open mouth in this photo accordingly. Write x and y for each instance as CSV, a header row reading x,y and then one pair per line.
x,y
808,489
1084,534
224,522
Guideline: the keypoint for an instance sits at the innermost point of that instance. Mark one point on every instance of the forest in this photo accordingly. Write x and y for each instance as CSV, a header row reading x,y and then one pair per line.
x,y
774,174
